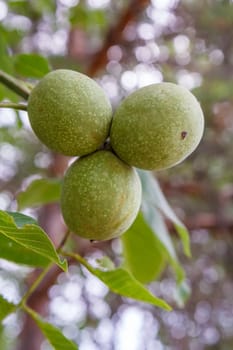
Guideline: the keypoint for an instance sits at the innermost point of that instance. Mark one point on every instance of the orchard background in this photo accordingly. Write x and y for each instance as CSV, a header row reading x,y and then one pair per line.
x,y
124,45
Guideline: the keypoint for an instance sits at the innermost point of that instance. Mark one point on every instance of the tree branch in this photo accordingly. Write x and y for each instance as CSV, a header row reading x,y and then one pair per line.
x,y
13,105
19,87
114,36
209,221
35,284
204,221
40,278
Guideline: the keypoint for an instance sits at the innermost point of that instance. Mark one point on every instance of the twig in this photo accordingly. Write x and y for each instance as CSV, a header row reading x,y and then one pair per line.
x,y
78,257
17,106
64,240
18,86
209,221
114,36
43,273
35,284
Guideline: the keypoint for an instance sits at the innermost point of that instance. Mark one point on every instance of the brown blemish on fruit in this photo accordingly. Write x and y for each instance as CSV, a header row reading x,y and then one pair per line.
x,y
183,135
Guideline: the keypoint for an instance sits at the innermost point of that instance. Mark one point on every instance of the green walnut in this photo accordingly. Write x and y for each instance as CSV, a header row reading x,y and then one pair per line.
x,y
157,126
69,113
101,196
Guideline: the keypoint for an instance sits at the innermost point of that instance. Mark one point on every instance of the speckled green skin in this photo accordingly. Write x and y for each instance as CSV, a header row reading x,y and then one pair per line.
x,y
101,196
69,113
157,126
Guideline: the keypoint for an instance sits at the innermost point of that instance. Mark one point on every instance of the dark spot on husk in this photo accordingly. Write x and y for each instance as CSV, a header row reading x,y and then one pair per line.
x,y
183,134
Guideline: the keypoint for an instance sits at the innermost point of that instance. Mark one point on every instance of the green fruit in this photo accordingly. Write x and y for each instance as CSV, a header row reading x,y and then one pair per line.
x,y
157,126
101,196
69,113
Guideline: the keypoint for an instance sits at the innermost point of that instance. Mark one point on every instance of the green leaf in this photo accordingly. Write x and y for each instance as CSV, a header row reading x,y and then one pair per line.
x,y
4,340
52,333
155,221
21,219
44,6
88,19
40,192
19,7
182,293
31,65
13,251
144,254
105,263
120,281
7,94
5,308
21,233
6,63
153,194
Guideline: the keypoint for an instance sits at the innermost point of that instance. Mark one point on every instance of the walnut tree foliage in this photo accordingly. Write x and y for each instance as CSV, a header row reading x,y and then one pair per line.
x,y
186,42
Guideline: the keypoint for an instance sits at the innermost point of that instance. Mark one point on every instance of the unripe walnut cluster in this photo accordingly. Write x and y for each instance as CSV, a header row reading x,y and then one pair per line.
x,y
156,127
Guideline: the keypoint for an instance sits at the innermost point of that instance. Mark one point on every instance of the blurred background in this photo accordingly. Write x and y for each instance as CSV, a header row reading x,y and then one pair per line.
x,y
126,45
